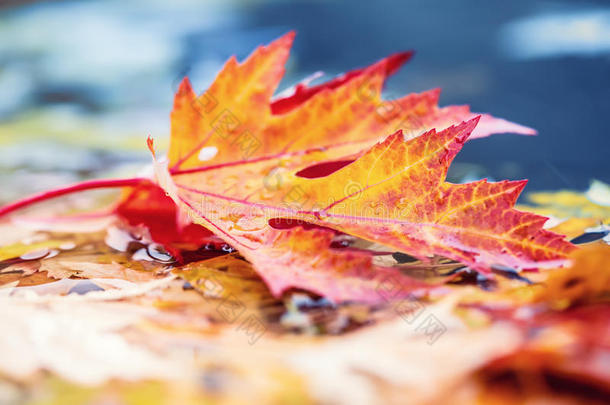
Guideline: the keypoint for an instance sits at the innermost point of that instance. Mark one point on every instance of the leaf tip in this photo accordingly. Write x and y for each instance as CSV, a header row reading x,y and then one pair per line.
x,y
185,86
396,60
285,41
434,94
150,142
515,189
464,129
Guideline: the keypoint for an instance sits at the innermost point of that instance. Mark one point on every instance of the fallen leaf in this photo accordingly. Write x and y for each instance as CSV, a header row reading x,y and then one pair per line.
x,y
234,118
569,204
89,269
66,339
574,214
587,280
35,249
379,197
229,280
568,345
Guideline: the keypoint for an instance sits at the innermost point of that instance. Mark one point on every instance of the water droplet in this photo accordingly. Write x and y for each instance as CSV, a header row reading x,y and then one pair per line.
x,y
84,287
67,246
142,254
158,252
342,241
227,248
35,254
52,253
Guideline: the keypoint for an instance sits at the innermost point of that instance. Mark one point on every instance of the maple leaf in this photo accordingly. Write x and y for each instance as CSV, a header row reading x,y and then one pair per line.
x,y
320,143
235,118
563,319
583,217
586,280
394,194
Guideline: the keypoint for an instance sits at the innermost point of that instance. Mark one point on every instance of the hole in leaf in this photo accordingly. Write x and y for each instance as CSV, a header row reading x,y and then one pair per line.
x,y
323,169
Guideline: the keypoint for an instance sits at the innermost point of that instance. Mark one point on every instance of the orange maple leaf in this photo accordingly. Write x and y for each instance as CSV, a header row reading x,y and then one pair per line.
x,y
394,194
235,118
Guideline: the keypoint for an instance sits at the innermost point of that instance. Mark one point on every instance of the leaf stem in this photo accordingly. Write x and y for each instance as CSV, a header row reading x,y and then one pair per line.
x,y
85,185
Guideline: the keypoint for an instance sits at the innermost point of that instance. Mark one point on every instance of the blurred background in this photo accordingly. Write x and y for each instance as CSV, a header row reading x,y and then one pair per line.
x,y
83,83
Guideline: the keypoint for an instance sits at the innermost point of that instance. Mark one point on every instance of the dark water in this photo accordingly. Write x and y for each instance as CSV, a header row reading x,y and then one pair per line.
x,y
545,64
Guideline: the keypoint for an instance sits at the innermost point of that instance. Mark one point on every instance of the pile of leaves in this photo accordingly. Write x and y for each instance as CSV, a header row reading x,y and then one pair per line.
x,y
306,248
